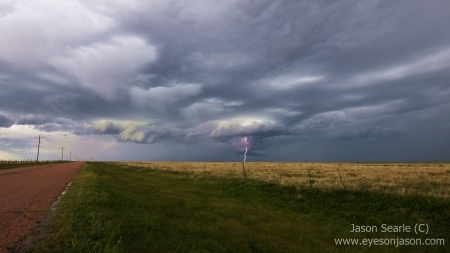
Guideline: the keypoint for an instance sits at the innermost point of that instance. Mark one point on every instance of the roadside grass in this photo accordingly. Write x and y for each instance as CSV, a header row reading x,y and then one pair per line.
x,y
120,208
27,164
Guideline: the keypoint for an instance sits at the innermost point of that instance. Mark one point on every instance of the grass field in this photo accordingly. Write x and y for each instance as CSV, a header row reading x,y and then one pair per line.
x,y
426,179
125,208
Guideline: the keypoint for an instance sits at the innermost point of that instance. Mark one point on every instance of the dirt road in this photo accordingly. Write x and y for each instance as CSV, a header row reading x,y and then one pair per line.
x,y
26,195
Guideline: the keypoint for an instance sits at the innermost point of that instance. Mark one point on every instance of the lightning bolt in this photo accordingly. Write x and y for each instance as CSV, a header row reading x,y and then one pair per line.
x,y
245,154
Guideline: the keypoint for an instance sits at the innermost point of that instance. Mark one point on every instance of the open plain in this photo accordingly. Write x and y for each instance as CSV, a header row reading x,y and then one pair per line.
x,y
424,179
262,207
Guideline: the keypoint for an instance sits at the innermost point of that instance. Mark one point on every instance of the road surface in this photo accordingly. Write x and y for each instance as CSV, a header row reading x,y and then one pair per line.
x,y
26,195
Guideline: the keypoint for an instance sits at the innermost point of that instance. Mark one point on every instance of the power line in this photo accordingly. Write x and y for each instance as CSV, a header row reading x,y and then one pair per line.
x,y
51,147
62,153
39,144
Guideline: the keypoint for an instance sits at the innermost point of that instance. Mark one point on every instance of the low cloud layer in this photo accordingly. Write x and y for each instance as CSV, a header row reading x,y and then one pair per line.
x,y
274,77
5,122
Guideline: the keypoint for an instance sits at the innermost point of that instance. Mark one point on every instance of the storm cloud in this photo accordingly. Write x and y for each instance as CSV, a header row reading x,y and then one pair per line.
x,y
5,122
276,77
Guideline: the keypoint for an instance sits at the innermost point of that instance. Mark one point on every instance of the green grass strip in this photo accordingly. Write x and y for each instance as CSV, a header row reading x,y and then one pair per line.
x,y
110,208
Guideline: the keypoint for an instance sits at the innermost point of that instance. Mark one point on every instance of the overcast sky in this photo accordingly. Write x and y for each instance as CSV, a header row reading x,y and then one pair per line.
x,y
203,80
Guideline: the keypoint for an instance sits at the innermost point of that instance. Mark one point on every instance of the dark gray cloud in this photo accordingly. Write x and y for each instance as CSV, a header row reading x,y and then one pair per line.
x,y
5,122
266,75
33,120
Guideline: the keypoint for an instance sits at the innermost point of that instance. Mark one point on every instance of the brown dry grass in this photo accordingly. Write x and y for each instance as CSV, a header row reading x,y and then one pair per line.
x,y
426,179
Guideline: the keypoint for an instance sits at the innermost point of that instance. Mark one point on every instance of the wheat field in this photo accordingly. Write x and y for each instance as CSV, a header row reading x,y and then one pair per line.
x,y
424,179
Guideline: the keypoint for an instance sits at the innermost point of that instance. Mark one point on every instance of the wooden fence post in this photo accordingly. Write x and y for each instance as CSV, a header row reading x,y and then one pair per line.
x,y
309,174
341,179
244,172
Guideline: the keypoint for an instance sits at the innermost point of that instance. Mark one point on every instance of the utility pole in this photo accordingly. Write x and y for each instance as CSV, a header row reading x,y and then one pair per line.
x,y
62,153
70,158
39,144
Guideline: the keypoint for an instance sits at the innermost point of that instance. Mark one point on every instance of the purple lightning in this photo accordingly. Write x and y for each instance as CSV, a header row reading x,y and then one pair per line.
x,y
245,154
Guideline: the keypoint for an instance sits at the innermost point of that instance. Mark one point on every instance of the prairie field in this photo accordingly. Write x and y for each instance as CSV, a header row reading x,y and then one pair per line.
x,y
274,207
424,179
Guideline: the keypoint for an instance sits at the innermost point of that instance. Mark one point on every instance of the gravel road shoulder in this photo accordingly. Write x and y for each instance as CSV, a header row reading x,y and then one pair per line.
x,y
25,197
